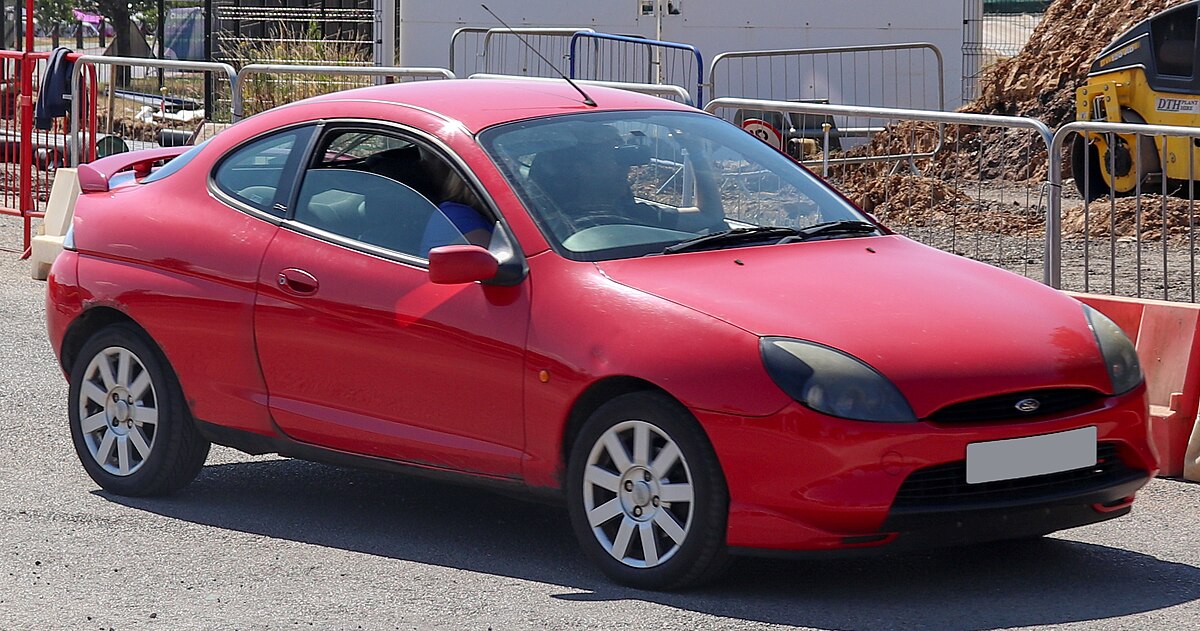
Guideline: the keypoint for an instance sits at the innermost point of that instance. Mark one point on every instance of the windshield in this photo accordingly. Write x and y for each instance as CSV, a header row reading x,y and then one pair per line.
x,y
619,184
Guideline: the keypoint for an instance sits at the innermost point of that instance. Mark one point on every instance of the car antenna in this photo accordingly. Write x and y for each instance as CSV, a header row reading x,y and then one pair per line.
x,y
587,100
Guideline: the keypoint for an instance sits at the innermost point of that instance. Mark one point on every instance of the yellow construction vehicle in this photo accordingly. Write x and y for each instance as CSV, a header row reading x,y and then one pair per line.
x,y
1148,75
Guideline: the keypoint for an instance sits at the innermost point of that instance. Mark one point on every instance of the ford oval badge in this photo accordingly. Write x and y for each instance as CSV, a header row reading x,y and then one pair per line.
x,y
1027,406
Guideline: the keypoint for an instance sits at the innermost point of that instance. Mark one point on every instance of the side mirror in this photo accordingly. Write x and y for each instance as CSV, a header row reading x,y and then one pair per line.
x,y
461,264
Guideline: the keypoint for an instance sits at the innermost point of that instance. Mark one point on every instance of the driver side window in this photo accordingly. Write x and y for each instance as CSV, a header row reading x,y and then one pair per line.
x,y
383,190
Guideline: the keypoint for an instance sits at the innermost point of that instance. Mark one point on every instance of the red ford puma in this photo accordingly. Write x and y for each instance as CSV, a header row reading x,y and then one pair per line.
x,y
699,345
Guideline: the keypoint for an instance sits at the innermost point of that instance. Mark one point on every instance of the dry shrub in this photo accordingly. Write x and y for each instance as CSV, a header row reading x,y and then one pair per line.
x,y
262,92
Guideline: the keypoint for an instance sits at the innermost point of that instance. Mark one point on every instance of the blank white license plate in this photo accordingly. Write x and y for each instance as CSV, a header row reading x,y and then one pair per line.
x,y
1030,456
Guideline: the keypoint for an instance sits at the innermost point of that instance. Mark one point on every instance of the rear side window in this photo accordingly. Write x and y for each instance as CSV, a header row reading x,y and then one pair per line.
x,y
251,174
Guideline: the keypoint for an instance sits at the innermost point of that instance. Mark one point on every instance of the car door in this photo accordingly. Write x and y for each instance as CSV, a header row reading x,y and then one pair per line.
x,y
360,351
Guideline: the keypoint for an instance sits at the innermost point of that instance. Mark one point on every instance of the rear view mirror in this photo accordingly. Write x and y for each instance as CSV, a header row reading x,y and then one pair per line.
x,y
461,264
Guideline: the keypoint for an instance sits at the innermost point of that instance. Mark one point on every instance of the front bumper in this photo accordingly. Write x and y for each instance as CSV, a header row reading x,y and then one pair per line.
x,y
801,481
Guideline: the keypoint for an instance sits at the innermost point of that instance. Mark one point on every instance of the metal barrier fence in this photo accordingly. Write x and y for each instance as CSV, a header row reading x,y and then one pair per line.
x,y
907,76
995,193
263,86
475,50
626,59
49,148
672,92
28,153
1133,234
983,197
197,90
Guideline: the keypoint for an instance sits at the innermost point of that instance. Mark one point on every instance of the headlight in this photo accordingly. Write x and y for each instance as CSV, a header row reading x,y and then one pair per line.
x,y
832,382
1120,357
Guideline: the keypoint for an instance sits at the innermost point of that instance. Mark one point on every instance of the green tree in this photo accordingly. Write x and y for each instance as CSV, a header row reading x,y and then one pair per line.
x,y
120,14
53,13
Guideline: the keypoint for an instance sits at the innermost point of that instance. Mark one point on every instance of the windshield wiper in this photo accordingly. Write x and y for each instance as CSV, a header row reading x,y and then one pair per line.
x,y
735,236
830,228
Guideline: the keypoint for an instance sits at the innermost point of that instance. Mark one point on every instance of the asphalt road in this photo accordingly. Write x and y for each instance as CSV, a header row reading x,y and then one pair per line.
x,y
269,543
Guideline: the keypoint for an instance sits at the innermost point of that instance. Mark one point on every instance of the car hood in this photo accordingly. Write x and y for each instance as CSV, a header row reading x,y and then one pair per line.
x,y
943,328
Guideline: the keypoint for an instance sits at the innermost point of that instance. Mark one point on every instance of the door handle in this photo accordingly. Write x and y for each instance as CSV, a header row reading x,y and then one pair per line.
x,y
298,281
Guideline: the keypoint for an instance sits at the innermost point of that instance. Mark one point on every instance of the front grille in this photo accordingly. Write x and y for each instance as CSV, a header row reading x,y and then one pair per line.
x,y
946,485
1004,407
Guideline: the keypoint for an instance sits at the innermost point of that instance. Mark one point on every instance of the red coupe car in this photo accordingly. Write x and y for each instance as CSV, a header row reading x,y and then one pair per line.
x,y
630,304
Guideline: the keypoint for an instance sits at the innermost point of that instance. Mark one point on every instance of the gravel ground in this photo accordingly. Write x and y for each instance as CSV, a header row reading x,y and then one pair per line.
x,y
270,543
1013,238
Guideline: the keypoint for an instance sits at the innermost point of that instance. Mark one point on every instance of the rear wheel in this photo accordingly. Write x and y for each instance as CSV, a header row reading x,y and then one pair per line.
x,y
131,429
646,495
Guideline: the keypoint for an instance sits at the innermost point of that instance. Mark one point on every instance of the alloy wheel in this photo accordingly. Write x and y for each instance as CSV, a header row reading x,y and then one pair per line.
x,y
118,411
638,494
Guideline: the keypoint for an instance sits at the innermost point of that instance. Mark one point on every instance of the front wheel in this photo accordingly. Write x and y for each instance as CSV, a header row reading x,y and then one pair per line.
x,y
131,429
646,495
1086,170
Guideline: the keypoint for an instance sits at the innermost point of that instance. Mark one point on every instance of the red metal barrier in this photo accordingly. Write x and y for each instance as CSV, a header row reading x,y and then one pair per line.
x,y
12,89
29,156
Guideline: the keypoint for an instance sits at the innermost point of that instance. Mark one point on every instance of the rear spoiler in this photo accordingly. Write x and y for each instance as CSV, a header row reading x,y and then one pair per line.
x,y
94,176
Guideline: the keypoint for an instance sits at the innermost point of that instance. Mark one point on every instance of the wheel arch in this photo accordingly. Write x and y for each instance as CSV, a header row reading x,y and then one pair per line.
x,y
596,395
91,322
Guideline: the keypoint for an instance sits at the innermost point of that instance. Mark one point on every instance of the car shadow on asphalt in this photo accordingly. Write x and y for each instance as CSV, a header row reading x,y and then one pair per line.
x,y
1016,584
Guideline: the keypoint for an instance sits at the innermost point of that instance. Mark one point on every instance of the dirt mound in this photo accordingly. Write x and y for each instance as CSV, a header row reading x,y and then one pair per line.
x,y
906,199
1097,220
1040,81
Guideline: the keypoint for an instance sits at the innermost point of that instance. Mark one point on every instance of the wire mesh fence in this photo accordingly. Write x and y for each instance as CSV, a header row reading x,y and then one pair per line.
x,y
984,196
271,32
993,29
908,76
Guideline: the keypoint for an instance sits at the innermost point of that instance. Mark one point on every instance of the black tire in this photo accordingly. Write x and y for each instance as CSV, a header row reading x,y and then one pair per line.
x,y
176,450
701,556
1090,181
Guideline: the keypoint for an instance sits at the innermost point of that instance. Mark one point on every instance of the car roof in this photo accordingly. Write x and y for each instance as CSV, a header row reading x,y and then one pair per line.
x,y
481,103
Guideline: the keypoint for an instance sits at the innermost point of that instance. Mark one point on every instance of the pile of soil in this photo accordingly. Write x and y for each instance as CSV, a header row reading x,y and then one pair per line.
x,y
130,128
1015,154
1040,81
122,122
907,201
1181,214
